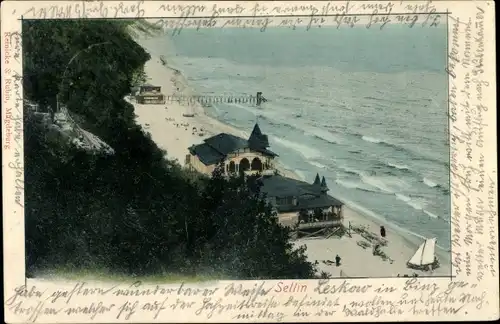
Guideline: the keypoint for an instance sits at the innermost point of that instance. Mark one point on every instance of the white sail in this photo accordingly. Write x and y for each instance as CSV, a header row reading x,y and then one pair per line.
x,y
429,256
425,254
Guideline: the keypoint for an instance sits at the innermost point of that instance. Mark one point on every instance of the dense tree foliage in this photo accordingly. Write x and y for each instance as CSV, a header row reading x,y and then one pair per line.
x,y
134,212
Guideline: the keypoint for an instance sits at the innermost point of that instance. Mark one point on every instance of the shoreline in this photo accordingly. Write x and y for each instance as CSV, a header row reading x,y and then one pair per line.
x,y
185,131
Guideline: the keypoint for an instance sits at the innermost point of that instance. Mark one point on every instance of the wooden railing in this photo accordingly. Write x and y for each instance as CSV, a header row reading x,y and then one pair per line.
x,y
320,224
324,218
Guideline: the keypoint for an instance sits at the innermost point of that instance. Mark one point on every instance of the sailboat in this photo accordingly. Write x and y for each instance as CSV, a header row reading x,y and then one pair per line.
x,y
425,257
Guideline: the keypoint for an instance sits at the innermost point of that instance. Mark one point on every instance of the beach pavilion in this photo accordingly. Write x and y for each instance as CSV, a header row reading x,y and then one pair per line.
x,y
239,155
304,205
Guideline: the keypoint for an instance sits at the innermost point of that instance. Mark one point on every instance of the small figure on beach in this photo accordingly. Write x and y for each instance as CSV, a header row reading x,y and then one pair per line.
x,y
337,260
382,231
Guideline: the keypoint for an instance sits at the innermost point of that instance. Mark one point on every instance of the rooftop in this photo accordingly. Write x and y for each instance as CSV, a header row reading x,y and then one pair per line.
x,y
217,147
206,154
308,195
226,143
257,140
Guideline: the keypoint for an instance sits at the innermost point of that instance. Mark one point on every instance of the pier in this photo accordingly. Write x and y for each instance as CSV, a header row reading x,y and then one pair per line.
x,y
257,100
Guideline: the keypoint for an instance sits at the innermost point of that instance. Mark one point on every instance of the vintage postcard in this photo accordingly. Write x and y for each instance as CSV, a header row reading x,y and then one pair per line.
x,y
204,161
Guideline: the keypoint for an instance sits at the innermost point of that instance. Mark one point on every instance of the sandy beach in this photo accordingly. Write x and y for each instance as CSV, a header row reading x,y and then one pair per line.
x,y
175,133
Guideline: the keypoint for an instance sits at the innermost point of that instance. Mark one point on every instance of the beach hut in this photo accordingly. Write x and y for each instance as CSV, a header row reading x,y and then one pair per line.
x,y
425,257
150,94
305,207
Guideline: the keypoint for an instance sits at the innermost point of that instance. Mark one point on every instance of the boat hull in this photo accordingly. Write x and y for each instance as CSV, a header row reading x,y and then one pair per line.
x,y
424,267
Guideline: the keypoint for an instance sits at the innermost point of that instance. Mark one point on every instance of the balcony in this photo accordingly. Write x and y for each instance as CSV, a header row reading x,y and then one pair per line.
x,y
318,216
320,224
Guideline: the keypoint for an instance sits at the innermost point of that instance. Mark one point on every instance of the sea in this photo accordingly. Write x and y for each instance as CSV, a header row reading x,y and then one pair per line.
x,y
365,108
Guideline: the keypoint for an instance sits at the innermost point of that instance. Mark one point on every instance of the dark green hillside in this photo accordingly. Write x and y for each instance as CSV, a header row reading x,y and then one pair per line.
x,y
133,212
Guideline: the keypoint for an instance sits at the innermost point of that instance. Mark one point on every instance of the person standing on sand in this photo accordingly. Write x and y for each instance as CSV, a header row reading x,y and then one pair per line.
x,y
337,260
382,231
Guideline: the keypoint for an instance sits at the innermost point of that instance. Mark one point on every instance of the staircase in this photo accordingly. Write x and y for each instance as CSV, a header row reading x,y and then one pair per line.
x,y
66,126
80,137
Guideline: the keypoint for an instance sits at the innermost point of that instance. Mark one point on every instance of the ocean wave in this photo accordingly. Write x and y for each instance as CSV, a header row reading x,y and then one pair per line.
x,y
426,157
317,164
355,185
371,139
430,183
383,142
431,215
388,168
418,204
403,197
275,119
350,171
325,139
376,182
304,150
388,185
322,135
274,122
398,166
392,101
411,153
